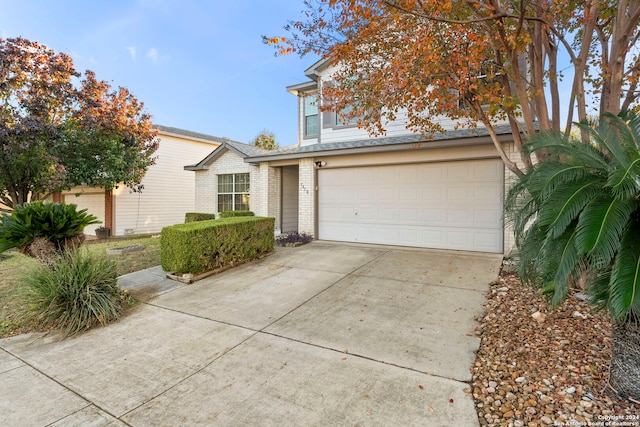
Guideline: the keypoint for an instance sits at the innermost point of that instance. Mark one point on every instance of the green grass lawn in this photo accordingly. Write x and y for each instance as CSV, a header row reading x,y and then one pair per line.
x,y
14,311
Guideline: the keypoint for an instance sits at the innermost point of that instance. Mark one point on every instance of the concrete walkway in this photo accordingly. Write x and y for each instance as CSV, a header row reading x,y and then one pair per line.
x,y
320,335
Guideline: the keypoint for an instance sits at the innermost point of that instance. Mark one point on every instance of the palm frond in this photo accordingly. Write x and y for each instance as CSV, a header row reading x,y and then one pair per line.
x,y
559,255
625,183
529,249
607,136
598,288
551,175
565,204
632,121
568,150
625,276
601,225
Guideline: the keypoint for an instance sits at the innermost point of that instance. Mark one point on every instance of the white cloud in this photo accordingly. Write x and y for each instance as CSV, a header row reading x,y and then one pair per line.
x,y
152,54
132,52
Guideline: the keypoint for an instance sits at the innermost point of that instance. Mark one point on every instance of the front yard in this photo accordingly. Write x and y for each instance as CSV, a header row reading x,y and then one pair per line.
x,y
14,317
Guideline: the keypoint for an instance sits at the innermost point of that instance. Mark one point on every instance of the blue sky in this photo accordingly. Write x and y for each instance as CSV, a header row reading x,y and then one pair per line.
x,y
196,65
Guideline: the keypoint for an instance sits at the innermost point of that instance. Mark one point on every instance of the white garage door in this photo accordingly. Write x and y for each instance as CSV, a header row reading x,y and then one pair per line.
x,y
93,203
449,205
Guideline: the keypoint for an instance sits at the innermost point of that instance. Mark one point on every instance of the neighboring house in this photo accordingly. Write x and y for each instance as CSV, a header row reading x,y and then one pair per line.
x,y
168,193
437,191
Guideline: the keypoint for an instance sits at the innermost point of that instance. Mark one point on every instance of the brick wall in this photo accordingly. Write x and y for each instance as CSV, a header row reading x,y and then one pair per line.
x,y
509,179
207,181
307,197
274,201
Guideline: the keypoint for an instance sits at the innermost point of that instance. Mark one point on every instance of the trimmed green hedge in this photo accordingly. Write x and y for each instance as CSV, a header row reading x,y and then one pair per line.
x,y
201,246
198,216
232,214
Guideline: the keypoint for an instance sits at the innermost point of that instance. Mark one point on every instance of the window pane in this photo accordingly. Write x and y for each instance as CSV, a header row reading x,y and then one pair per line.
x,y
225,183
310,105
225,202
342,121
242,202
311,125
242,183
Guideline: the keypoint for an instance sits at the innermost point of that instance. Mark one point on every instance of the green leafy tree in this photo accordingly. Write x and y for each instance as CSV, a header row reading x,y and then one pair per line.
x,y
265,140
577,224
57,131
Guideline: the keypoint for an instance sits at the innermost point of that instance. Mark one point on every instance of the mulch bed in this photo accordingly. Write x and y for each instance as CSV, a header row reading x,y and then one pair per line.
x,y
549,371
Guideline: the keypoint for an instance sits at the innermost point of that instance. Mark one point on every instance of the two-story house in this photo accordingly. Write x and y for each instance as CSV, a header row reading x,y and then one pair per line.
x,y
435,191
168,190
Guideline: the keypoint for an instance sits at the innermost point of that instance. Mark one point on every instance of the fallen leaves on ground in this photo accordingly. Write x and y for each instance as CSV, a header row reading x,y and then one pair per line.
x,y
549,369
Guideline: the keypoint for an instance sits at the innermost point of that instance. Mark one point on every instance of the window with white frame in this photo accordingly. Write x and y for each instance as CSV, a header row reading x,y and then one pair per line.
x,y
335,120
233,192
311,122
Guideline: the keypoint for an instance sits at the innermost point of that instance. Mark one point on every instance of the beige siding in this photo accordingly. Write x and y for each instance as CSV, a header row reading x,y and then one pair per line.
x,y
169,190
413,155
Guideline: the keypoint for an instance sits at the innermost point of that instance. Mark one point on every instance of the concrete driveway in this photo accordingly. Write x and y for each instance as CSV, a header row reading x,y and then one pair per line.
x,y
323,334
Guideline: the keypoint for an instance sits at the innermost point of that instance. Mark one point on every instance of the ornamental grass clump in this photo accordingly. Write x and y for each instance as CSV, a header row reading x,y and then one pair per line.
x,y
75,292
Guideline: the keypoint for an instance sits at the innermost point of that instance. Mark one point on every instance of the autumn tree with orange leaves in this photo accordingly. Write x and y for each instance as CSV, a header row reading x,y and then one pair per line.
x,y
477,62
57,131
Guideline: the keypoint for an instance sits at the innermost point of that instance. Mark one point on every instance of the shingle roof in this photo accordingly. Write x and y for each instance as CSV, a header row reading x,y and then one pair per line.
x,y
314,149
244,150
189,134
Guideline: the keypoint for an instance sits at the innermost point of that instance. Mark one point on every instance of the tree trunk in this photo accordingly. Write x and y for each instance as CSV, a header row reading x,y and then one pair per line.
x,y
625,359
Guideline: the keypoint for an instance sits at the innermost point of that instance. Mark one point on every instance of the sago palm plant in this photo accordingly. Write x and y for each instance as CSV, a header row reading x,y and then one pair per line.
x,y
576,218
32,225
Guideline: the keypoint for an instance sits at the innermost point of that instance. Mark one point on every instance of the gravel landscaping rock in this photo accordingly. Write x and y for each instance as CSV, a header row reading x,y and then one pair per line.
x,y
547,369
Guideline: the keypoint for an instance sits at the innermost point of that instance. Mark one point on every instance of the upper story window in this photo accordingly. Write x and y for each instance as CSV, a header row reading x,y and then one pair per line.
x,y
336,120
340,120
331,119
233,192
311,122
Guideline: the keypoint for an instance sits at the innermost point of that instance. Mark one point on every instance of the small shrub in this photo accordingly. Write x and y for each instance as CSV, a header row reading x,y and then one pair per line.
x,y
59,223
294,238
75,292
198,216
233,214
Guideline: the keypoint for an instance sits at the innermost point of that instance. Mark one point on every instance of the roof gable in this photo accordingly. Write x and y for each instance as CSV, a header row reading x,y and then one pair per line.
x,y
240,149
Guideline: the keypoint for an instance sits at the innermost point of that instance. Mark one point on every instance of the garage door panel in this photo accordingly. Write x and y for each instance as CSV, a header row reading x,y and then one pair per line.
x,y
459,217
459,193
433,194
409,195
367,194
487,218
434,216
486,172
487,193
458,173
455,205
